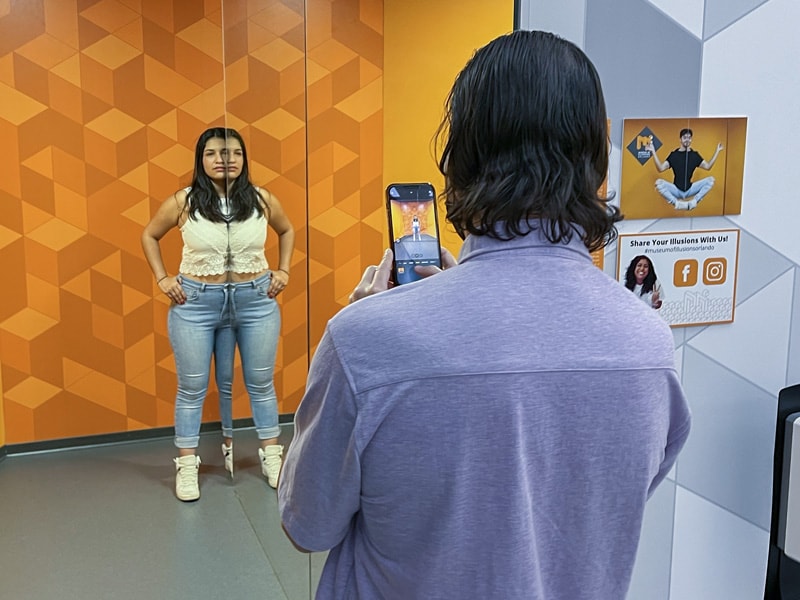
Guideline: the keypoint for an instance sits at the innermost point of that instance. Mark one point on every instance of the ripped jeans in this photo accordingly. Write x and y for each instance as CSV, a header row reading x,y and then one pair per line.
x,y
684,200
213,320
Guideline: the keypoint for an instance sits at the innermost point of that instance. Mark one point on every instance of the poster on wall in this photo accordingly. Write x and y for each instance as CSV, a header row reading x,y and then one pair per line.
x,y
682,167
689,277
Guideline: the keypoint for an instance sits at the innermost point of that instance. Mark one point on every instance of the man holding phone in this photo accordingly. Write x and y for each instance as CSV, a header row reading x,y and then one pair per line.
x,y
505,445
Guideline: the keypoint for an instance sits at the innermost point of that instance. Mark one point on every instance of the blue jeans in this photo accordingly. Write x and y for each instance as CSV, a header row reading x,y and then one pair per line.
x,y
224,349
214,319
678,198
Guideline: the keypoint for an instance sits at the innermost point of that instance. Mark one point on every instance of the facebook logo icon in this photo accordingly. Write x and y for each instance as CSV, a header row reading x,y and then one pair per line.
x,y
684,273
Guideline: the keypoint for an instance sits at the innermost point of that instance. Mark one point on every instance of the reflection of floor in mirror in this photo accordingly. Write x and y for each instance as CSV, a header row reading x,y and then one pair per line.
x,y
103,522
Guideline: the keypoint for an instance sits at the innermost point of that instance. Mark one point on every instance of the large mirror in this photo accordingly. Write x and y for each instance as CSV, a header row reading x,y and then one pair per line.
x,y
105,101
264,89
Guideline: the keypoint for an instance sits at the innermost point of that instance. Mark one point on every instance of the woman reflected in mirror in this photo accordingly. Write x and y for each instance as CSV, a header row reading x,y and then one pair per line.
x,y
223,296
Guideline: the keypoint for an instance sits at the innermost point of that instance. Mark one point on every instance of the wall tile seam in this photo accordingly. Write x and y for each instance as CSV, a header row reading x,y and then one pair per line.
x,y
792,330
672,533
741,301
678,23
585,23
717,505
729,370
729,25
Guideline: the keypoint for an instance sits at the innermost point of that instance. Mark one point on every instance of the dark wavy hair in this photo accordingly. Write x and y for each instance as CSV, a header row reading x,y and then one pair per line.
x,y
524,137
243,197
685,131
630,275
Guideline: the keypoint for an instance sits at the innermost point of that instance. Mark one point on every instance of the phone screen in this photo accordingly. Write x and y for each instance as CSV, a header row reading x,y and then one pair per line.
x,y
413,228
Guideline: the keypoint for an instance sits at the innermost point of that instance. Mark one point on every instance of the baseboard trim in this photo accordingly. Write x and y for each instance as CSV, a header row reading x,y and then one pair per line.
x,y
120,437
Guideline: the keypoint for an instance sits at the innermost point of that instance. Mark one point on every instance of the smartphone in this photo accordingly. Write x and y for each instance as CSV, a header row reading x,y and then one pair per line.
x,y
413,229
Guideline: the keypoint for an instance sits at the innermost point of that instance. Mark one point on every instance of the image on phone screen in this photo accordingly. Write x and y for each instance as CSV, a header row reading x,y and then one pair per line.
x,y
413,228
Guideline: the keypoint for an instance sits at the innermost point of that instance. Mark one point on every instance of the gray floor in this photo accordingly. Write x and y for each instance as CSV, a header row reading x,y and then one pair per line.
x,y
103,522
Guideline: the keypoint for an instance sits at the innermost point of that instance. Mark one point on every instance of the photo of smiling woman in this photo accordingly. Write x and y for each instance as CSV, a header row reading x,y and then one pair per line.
x,y
640,278
223,296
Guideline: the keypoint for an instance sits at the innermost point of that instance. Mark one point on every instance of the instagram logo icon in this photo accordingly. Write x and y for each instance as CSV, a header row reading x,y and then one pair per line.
x,y
715,271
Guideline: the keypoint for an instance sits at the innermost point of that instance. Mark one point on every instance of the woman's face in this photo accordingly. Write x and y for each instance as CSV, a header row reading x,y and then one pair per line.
x,y
641,270
223,160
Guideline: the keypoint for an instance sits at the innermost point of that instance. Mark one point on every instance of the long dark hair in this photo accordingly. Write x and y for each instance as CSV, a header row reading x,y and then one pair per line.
x,y
525,138
243,197
630,275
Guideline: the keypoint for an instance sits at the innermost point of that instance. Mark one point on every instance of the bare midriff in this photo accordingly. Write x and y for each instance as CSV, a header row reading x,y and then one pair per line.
x,y
229,277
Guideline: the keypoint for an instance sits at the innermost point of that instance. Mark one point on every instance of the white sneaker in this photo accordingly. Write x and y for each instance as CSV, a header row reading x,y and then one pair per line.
x,y
227,453
271,463
186,486
682,205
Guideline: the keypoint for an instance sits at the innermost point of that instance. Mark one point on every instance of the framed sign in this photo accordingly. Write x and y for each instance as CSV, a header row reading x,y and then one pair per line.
x,y
688,276
682,167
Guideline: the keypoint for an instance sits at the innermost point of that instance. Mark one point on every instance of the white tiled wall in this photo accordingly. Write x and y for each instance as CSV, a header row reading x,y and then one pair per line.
x,y
706,531
715,555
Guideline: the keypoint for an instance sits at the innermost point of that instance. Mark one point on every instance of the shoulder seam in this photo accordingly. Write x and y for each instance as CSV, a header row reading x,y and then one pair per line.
x,y
485,373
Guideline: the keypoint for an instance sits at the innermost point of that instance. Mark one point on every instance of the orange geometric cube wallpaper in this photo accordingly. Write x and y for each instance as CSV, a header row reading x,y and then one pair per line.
x,y
346,218
101,102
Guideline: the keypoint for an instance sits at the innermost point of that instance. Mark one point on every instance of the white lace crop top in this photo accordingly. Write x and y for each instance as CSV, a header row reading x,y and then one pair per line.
x,y
205,246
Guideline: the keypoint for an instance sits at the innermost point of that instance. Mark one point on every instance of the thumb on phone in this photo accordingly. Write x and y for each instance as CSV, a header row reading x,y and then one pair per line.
x,y
448,261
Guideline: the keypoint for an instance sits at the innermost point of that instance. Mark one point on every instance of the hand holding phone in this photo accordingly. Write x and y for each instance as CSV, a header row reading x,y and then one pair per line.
x,y
413,229
378,278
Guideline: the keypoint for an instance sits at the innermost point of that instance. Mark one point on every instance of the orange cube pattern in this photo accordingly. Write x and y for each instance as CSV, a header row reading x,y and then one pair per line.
x,y
101,102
